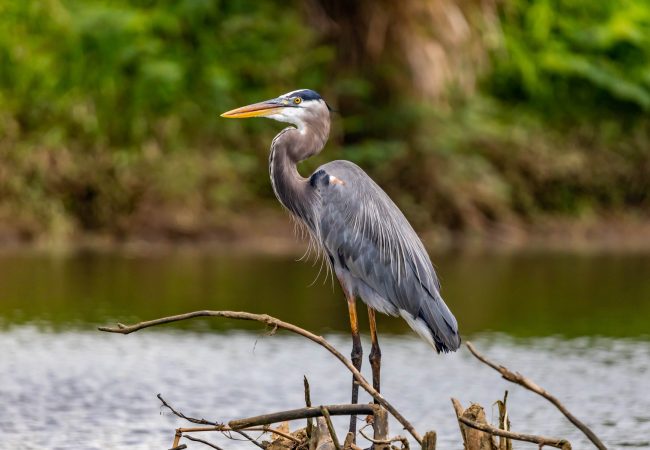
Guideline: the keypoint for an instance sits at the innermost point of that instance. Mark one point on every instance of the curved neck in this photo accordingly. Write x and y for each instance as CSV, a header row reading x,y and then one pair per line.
x,y
288,148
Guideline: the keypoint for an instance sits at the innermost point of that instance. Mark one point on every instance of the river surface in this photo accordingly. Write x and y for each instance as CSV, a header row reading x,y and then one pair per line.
x,y
578,324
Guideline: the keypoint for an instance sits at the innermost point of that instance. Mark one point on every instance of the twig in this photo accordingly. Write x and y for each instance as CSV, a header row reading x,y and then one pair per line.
x,y
504,422
330,427
177,438
272,321
301,413
402,439
216,426
459,412
310,424
541,440
225,428
348,442
183,416
192,438
246,436
268,429
516,377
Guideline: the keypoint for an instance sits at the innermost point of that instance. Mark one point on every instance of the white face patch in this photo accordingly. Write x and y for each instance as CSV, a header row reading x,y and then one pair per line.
x,y
296,114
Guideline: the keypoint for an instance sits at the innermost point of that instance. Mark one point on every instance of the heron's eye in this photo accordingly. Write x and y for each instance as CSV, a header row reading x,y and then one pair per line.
x,y
297,100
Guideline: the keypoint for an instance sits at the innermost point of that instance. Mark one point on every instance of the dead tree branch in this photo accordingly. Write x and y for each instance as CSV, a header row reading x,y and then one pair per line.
x,y
459,412
330,427
183,416
402,439
261,423
310,424
209,444
276,323
540,440
302,413
482,425
517,378
248,438
213,426
265,429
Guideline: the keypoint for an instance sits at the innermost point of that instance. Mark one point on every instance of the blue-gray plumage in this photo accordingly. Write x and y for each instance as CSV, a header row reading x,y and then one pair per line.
x,y
378,256
372,248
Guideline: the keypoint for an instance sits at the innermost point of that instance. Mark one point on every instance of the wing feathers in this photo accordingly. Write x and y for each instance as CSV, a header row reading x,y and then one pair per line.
x,y
378,247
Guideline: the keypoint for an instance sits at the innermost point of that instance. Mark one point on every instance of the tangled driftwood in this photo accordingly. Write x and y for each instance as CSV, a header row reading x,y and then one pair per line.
x,y
477,434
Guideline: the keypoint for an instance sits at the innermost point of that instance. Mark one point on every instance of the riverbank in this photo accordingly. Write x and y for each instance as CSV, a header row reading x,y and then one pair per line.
x,y
273,233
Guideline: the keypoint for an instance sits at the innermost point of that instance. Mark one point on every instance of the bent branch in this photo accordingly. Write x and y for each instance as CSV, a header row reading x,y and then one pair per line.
x,y
275,324
517,378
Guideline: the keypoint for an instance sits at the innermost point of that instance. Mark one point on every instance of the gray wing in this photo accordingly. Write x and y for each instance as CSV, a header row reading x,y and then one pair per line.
x,y
377,254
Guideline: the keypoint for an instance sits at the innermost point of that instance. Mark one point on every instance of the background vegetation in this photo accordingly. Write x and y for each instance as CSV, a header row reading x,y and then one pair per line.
x,y
471,114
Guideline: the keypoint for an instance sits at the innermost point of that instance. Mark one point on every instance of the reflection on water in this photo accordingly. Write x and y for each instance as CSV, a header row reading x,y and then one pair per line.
x,y
519,294
577,324
84,390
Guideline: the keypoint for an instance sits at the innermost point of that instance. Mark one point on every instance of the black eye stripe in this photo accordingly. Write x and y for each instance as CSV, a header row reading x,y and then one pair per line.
x,y
305,94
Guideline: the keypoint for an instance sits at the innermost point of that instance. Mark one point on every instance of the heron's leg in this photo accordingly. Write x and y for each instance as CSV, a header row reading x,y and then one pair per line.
x,y
356,355
375,352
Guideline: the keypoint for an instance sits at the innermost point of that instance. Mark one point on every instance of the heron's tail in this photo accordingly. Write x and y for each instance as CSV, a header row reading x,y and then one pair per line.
x,y
435,324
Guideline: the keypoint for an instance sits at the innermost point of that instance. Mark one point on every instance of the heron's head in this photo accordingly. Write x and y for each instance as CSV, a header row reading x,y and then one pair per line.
x,y
303,108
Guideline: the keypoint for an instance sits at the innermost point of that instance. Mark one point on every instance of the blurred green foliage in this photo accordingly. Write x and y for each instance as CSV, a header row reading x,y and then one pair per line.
x,y
109,105
109,115
575,59
124,72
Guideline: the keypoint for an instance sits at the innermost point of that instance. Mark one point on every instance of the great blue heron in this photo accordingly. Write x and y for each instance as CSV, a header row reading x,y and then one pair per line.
x,y
368,242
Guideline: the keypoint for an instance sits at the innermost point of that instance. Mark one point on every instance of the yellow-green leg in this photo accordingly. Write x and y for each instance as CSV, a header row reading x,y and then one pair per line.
x,y
356,355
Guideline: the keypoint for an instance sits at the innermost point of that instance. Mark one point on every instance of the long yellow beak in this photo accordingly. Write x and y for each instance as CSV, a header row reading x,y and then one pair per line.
x,y
260,109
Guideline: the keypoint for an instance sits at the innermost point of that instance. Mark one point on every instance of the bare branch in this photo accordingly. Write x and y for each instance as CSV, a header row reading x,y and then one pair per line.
x,y
402,439
183,416
223,428
177,439
541,440
310,424
348,442
192,438
517,378
459,412
250,439
504,422
330,427
268,429
213,426
302,413
276,323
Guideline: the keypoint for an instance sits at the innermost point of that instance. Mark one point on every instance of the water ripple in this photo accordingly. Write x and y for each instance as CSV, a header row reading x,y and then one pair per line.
x,y
87,390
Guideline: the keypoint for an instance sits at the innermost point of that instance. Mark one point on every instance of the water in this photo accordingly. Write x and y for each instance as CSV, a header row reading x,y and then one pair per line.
x,y
576,323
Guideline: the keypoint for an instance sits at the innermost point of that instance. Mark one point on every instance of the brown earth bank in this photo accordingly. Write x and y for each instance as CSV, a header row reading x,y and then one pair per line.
x,y
273,232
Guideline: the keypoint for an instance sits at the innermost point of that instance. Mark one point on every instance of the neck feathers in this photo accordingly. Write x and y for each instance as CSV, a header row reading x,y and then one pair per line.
x,y
288,148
